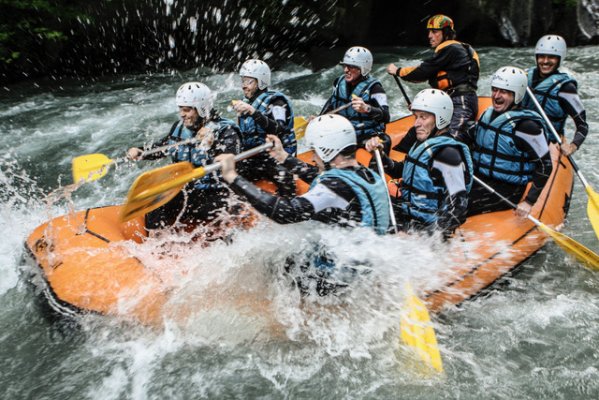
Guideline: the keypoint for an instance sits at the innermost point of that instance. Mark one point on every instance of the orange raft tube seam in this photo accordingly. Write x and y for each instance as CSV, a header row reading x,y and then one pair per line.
x,y
86,268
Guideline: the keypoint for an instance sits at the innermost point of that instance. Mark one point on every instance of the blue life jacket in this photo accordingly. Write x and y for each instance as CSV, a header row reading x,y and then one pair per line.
x,y
422,198
196,155
253,135
546,93
495,153
365,126
373,199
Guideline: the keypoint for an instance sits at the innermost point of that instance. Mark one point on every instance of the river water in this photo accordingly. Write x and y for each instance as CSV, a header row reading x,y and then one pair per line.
x,y
532,336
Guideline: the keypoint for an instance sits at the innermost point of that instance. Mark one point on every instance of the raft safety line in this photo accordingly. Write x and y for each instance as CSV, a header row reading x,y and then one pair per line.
x,y
97,235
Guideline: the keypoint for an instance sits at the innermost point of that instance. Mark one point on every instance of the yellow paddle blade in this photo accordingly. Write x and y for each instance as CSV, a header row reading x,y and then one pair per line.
x,y
582,253
139,202
593,209
90,167
299,126
417,331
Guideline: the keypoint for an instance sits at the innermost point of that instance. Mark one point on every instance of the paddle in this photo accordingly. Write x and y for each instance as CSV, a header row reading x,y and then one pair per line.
x,y
593,202
300,123
417,331
405,95
582,253
90,167
299,126
154,188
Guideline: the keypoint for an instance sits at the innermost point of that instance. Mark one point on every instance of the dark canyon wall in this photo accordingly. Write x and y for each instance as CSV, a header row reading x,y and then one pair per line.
x,y
81,38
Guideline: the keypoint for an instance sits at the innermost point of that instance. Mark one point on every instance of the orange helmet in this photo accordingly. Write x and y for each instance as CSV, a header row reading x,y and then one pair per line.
x,y
439,21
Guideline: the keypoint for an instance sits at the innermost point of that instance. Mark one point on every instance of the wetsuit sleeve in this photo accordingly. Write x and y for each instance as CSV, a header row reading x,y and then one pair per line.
x,y
305,171
160,143
280,210
275,123
379,110
407,142
450,167
429,68
529,137
323,202
570,102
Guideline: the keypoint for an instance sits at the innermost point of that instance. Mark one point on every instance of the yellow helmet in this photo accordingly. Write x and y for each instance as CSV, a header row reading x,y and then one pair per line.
x,y
439,21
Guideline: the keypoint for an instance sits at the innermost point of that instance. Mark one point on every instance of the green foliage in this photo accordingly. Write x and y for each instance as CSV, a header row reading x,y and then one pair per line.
x,y
49,34
567,3
26,26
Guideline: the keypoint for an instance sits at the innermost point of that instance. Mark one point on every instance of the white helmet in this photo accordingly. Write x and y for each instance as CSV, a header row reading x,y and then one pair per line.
x,y
358,57
552,45
436,102
196,95
258,70
329,134
512,79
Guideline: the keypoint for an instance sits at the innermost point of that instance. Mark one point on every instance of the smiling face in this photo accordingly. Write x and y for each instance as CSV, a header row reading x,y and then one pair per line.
x,y
435,37
547,64
351,73
249,86
502,99
424,123
188,115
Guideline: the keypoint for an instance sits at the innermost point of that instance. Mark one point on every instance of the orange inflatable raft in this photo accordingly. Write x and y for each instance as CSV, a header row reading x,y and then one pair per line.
x,y
85,267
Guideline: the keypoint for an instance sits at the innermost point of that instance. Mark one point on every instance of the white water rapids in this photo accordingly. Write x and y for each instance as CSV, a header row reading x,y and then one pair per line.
x,y
533,336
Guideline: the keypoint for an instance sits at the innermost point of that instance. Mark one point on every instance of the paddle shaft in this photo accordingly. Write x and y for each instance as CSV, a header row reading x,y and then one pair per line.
x,y
405,95
557,136
336,110
505,199
152,151
199,172
169,146
379,164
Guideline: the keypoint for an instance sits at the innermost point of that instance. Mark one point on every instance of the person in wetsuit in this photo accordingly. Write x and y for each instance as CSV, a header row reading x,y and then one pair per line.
x,y
556,91
342,192
264,112
369,111
509,148
203,199
454,68
437,171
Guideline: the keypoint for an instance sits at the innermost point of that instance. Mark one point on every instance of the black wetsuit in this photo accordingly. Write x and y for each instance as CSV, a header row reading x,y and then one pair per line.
x,y
454,68
342,207
262,166
193,205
